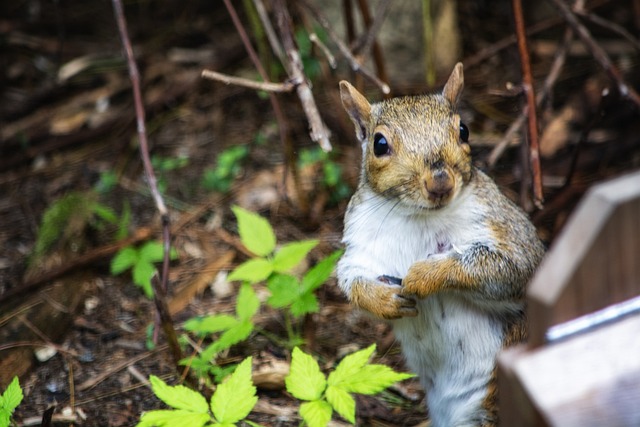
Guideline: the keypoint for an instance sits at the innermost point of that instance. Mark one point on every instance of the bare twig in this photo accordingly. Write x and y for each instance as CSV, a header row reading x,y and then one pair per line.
x,y
598,53
534,152
344,50
268,29
363,44
377,51
325,50
549,82
611,26
319,132
160,287
285,138
251,84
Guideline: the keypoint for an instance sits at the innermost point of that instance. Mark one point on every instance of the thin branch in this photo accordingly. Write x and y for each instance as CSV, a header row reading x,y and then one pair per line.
x,y
377,51
534,152
160,287
325,50
611,26
363,44
268,29
552,77
251,84
319,132
285,139
598,53
344,50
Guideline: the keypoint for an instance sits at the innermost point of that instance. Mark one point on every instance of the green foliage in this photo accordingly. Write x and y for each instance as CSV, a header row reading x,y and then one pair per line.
x,y
232,329
232,401
9,401
141,263
107,181
228,167
162,165
331,171
322,396
68,216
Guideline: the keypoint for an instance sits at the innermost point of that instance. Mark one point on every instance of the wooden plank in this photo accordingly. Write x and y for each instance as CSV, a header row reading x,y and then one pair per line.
x,y
589,380
591,265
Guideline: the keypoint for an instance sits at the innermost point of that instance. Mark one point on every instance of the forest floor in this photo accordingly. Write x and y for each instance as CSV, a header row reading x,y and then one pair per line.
x,y
67,126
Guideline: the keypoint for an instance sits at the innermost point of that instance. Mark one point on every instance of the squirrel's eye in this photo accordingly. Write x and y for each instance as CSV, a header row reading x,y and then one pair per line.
x,y
464,132
380,145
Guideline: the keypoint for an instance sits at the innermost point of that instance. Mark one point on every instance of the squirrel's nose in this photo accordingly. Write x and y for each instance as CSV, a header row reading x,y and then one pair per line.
x,y
438,184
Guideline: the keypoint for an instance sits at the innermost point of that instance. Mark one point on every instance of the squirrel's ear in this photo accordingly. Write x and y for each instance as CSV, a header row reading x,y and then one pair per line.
x,y
453,89
357,106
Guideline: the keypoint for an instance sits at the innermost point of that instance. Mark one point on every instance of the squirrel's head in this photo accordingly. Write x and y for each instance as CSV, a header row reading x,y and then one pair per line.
x,y
415,148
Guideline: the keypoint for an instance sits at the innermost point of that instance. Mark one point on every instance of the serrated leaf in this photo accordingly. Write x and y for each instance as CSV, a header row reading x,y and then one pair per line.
x,y
342,402
320,272
142,274
305,381
253,271
210,324
351,365
12,396
304,304
170,418
124,259
372,379
255,232
247,303
316,413
234,335
151,252
235,398
284,290
291,254
179,396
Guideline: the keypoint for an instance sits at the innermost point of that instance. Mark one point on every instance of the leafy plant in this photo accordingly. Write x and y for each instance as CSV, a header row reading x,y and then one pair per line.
x,y
228,167
331,172
141,263
68,216
166,164
287,291
9,401
322,395
232,401
232,329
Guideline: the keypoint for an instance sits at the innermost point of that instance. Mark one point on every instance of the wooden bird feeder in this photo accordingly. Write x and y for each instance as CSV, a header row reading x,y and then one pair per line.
x,y
581,366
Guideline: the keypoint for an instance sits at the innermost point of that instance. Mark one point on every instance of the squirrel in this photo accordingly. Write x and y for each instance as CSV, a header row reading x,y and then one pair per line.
x,y
464,252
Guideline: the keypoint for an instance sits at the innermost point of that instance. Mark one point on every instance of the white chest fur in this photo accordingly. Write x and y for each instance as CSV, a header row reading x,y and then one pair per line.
x,y
452,343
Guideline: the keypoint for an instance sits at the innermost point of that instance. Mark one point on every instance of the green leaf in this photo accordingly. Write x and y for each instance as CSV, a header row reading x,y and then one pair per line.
x,y
342,402
210,324
179,396
142,274
304,304
351,365
235,398
305,381
105,212
234,335
253,271
5,417
284,290
169,418
291,254
124,259
152,252
320,272
316,413
12,396
372,379
255,232
247,303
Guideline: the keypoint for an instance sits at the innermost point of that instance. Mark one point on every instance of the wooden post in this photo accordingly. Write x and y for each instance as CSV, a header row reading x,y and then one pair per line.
x,y
592,378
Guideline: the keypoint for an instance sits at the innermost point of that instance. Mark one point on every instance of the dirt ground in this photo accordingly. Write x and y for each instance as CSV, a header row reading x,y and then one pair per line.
x,y
67,122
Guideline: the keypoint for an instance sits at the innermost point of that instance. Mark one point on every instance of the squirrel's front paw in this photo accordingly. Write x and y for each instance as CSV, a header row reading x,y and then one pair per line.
x,y
384,299
419,280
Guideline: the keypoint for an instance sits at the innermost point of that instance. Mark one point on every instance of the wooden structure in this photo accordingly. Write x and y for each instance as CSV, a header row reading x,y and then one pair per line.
x,y
581,366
